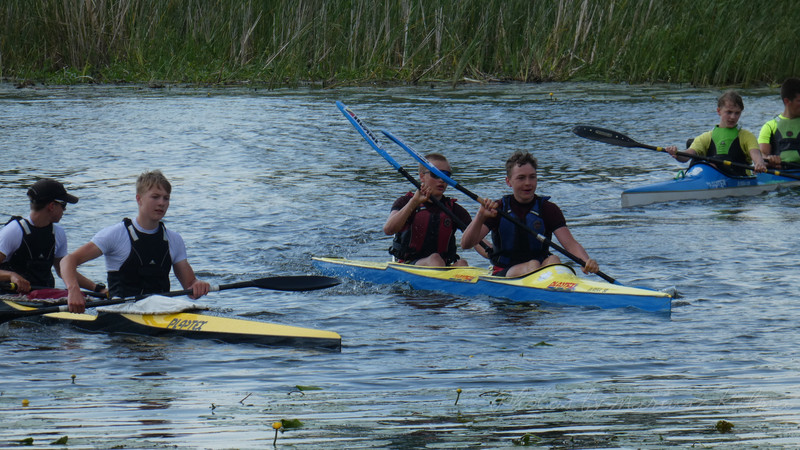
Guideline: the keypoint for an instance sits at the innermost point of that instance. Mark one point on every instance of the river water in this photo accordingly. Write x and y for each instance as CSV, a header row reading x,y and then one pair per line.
x,y
265,179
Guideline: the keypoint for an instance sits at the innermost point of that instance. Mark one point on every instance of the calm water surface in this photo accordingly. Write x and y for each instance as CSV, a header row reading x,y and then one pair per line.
x,y
264,180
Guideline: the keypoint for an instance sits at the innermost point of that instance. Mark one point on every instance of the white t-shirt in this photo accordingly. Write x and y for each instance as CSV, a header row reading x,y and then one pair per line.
x,y
11,239
115,244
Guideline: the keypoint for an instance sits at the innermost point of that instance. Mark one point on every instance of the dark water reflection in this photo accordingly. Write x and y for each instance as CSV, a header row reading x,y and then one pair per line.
x,y
263,180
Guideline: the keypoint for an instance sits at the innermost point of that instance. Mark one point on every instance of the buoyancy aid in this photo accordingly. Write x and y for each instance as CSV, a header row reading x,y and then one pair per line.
x,y
33,260
146,270
511,244
431,231
785,141
725,146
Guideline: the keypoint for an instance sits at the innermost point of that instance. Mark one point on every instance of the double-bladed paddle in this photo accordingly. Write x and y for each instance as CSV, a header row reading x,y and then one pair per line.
x,y
422,160
615,138
8,286
373,142
279,283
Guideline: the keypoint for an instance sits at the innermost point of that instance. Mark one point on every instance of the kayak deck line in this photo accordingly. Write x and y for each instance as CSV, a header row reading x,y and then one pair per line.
x,y
701,182
195,325
556,284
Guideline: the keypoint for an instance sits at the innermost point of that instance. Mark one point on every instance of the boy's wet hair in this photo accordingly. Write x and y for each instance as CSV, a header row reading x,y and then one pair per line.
x,y
519,159
732,97
433,157
790,88
148,180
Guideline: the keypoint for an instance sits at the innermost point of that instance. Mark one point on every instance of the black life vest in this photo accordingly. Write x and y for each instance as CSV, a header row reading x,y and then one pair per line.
x,y
33,260
431,231
146,271
511,244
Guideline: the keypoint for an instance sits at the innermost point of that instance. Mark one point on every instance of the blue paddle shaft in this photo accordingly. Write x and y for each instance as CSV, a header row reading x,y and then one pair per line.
x,y
366,134
424,161
369,136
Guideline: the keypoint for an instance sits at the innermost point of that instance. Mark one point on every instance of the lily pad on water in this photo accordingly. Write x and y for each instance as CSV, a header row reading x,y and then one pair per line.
x,y
308,388
723,426
291,423
526,440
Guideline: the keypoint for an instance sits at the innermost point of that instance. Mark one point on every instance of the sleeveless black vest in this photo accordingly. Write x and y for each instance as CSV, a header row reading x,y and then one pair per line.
x,y
146,271
34,258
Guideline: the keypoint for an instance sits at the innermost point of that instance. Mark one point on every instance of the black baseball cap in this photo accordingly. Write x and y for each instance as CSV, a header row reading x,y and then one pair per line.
x,y
48,189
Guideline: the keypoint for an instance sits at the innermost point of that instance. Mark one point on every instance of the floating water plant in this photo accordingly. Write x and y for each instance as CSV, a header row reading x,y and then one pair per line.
x,y
308,388
723,426
284,424
291,423
301,388
526,440
277,426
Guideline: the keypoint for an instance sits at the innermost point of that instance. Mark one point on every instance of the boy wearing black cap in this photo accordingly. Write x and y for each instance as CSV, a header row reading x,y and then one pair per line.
x,y
30,246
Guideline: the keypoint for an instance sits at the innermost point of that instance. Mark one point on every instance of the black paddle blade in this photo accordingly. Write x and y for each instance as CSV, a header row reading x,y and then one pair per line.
x,y
605,135
295,283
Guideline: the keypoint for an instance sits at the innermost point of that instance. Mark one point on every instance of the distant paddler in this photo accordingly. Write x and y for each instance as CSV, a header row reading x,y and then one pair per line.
x,y
139,253
779,138
728,141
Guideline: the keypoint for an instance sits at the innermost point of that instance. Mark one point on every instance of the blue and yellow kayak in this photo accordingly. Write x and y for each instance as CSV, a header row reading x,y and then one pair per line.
x,y
703,181
557,284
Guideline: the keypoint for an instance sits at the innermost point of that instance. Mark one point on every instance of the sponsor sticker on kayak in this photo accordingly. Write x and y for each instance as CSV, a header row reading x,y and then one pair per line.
x,y
562,286
191,325
462,277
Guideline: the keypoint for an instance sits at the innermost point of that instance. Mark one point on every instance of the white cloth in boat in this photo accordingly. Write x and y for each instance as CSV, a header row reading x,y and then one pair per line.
x,y
155,304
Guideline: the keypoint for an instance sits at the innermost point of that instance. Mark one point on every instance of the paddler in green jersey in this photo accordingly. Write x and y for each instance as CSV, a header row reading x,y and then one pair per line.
x,y
727,141
779,139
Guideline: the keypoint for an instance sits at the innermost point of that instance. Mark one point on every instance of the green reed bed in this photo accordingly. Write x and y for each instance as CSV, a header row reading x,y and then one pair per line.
x,y
333,42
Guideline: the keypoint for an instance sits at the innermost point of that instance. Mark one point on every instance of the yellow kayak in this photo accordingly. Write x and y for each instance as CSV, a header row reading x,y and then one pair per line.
x,y
555,284
193,324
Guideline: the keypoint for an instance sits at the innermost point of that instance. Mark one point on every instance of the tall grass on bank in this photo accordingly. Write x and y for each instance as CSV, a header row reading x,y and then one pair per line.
x,y
289,41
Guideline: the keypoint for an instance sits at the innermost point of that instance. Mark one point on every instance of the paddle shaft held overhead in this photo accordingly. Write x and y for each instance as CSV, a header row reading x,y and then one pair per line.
x,y
503,213
369,136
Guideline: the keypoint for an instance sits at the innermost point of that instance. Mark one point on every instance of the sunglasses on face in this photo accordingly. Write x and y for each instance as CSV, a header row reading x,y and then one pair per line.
x,y
445,172
62,203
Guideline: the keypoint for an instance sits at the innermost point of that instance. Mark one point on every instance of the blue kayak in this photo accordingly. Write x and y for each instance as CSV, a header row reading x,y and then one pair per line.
x,y
556,284
703,181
